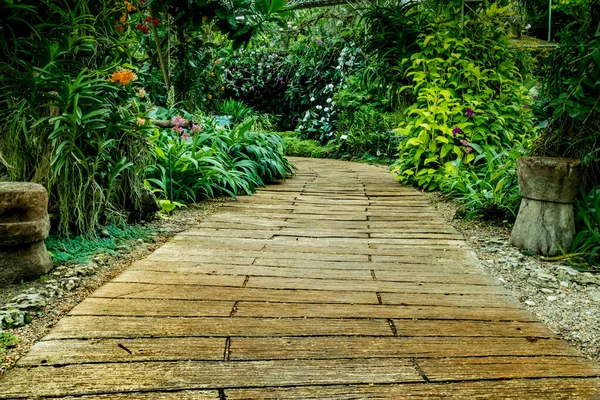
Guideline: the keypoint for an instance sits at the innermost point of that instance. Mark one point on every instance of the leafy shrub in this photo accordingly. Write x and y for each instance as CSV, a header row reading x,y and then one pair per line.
x,y
469,93
571,101
487,188
208,160
63,125
587,221
297,147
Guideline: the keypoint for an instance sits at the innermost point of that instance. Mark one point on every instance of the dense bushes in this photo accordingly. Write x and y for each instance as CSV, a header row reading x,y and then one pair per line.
x,y
205,160
78,81
469,96
64,124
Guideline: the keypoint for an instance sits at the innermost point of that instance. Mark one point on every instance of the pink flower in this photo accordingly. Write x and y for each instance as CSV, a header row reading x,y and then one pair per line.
x,y
468,149
178,121
464,142
185,136
197,128
177,129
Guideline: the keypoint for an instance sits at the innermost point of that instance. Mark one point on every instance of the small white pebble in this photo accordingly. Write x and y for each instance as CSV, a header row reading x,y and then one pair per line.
x,y
551,298
530,302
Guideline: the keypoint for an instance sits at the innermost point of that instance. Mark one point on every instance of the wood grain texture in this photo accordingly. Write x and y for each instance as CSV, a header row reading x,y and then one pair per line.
x,y
296,310
94,327
400,347
193,292
63,352
130,377
452,369
526,389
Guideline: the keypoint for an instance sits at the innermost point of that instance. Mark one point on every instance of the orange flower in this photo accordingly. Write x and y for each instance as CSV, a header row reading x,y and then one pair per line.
x,y
222,88
119,28
210,96
123,77
130,7
141,121
212,74
123,18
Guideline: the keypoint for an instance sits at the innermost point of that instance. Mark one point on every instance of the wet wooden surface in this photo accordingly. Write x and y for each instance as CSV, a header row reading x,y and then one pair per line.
x,y
336,284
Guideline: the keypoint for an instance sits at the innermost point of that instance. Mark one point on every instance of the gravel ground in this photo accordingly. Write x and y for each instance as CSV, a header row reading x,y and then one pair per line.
x,y
101,270
564,299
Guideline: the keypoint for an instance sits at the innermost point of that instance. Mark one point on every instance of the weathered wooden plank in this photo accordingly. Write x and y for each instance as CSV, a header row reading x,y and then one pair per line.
x,y
296,310
228,233
416,266
401,347
209,256
189,292
374,286
63,352
153,307
449,300
95,327
177,395
166,278
453,369
125,377
252,270
428,328
524,389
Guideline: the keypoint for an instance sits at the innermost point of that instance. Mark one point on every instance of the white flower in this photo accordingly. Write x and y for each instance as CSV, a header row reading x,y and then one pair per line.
x,y
326,109
329,100
319,107
331,86
312,99
301,127
338,67
322,119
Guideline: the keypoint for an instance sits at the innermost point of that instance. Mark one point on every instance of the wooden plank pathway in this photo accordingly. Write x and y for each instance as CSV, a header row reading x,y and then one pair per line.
x,y
337,284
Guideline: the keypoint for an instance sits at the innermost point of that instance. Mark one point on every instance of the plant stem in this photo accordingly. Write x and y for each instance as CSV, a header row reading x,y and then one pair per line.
x,y
161,57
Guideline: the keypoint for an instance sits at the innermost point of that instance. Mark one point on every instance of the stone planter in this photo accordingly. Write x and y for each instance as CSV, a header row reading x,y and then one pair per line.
x,y
24,224
548,187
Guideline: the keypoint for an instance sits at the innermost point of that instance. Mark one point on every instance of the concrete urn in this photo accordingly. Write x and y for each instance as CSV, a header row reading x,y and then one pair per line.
x,y
548,186
24,224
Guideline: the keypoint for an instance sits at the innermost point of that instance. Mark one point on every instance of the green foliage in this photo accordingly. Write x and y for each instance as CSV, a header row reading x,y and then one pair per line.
x,y
571,100
587,220
489,187
297,147
63,125
393,31
469,96
81,249
7,340
211,160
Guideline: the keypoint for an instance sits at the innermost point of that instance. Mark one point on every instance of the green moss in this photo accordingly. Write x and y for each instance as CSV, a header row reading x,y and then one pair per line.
x,y
81,249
